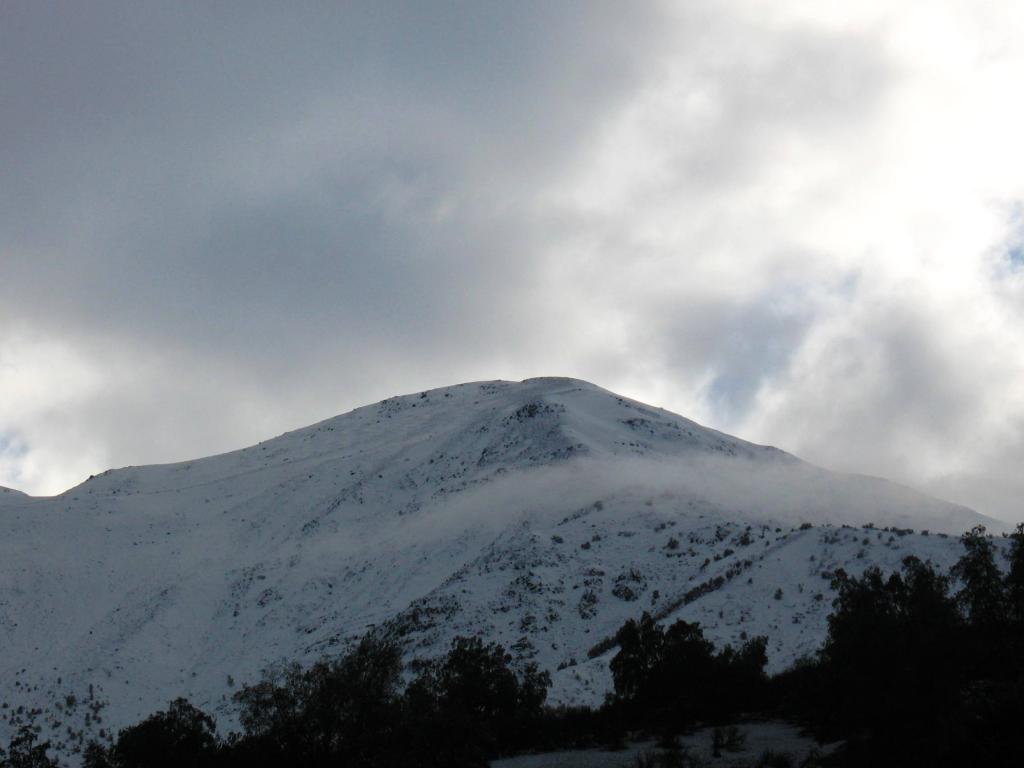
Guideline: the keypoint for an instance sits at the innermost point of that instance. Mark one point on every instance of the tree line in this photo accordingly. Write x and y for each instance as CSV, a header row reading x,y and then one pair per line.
x,y
919,667
915,672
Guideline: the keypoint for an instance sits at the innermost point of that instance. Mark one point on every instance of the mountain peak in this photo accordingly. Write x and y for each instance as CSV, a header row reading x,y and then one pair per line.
x,y
415,451
540,514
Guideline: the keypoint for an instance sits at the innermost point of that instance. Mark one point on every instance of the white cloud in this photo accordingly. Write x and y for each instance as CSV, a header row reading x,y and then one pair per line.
x,y
793,221
856,171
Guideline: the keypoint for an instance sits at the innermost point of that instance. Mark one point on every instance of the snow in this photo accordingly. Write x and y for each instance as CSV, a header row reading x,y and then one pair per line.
x,y
759,737
11,496
539,514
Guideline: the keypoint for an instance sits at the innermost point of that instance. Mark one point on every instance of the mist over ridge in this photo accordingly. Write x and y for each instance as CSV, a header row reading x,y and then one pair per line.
x,y
748,478
540,514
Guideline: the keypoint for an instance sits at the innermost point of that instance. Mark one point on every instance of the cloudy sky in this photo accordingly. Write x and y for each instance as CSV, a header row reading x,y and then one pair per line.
x,y
799,222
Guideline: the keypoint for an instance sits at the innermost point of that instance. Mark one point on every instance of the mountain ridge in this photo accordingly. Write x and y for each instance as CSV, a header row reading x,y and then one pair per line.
x,y
11,495
540,514
552,386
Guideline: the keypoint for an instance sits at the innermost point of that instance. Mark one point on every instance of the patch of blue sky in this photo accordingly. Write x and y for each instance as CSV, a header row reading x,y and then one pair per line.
x,y
12,450
730,395
1015,255
11,446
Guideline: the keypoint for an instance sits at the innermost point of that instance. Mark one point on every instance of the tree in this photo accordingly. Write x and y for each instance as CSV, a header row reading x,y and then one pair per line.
x,y
97,756
671,676
740,676
272,708
981,597
894,661
181,735
683,682
477,701
641,647
24,752
1015,577
345,709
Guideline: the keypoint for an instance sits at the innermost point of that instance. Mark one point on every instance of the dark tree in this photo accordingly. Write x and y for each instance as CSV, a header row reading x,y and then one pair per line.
x,y
669,677
471,705
97,756
641,646
895,648
182,735
24,752
1015,577
272,709
681,683
981,597
345,709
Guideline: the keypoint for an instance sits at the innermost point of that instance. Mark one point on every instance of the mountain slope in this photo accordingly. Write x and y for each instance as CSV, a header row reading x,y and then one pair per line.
x,y
11,496
541,514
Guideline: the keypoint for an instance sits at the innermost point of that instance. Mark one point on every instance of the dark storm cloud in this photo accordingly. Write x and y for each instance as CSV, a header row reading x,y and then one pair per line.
x,y
319,201
229,173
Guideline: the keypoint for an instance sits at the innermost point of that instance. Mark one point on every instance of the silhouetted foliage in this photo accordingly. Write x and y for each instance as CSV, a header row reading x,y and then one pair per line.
x,y
181,735
461,710
25,752
982,596
348,708
913,675
470,705
672,676
1015,577
97,756
887,639
918,668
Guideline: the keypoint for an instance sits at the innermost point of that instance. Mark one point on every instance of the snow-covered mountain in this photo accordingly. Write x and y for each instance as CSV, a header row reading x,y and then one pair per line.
x,y
11,496
540,514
